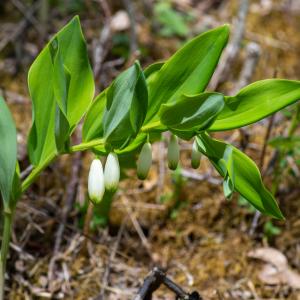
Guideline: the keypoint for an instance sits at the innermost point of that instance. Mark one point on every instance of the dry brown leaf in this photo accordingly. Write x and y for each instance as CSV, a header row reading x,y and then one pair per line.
x,y
270,275
270,255
276,271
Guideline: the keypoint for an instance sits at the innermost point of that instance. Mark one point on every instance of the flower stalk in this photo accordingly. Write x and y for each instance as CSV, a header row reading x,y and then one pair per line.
x,y
8,217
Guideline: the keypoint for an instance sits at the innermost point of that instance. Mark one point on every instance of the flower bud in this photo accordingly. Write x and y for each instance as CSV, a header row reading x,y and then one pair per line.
x,y
173,153
112,172
196,156
144,161
96,187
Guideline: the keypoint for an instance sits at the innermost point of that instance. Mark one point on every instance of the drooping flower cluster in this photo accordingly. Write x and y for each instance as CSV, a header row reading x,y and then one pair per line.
x,y
100,180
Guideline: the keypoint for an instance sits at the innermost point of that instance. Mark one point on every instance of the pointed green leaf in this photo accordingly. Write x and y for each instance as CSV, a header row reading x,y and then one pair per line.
x,y
126,107
255,102
228,187
191,114
61,84
152,69
16,187
188,71
47,90
242,171
140,139
93,124
8,154
62,129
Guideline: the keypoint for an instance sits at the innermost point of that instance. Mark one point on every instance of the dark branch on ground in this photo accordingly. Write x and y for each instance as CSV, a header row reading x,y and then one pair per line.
x,y
155,279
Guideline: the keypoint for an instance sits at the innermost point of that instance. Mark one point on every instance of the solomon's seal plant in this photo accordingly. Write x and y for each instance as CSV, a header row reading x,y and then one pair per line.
x,y
131,113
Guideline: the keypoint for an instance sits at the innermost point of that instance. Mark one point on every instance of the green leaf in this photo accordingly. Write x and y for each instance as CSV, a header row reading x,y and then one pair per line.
x,y
93,129
61,84
271,230
8,155
134,145
228,187
93,125
285,143
255,102
188,71
61,91
191,114
152,69
16,191
140,139
245,203
242,171
126,107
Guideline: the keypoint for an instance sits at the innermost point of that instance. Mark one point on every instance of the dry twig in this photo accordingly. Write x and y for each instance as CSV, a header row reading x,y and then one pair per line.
x,y
137,227
133,31
70,197
231,51
105,280
253,51
102,45
28,16
19,28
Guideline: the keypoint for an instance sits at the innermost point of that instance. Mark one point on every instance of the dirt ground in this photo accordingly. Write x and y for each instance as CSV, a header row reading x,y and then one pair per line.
x,y
179,221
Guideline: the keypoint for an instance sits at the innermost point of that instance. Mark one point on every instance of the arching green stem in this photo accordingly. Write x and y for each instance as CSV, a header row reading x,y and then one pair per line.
x,y
8,216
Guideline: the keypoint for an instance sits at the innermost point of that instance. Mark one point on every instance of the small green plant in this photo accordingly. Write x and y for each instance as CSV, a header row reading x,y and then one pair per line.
x,y
287,147
172,22
136,108
270,230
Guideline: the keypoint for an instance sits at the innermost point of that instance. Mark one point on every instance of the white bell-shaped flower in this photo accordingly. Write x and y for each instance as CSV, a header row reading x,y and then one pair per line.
x,y
144,161
112,172
96,186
